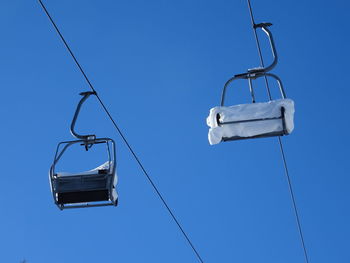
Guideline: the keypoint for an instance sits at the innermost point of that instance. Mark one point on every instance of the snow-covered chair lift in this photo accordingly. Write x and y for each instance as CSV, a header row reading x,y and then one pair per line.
x,y
255,120
96,187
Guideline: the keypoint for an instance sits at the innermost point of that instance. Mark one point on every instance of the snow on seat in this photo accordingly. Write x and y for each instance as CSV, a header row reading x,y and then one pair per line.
x,y
251,120
107,166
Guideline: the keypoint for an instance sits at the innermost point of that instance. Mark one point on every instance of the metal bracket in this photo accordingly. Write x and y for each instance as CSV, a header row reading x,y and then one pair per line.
x,y
264,24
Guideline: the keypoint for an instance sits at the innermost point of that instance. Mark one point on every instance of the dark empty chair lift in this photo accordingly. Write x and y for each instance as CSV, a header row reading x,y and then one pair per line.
x,y
96,187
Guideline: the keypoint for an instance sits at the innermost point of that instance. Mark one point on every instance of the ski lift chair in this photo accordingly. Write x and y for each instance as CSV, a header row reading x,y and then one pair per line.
x,y
96,187
255,120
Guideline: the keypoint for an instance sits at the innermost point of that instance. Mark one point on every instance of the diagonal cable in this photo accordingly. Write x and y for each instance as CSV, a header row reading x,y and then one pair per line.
x,y
295,208
122,136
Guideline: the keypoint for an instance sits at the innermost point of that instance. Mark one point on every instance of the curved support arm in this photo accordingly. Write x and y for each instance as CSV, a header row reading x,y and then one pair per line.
x,y
264,27
72,131
250,77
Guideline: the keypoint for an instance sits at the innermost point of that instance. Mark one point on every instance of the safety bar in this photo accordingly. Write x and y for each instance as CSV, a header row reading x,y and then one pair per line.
x,y
59,153
73,132
252,76
264,27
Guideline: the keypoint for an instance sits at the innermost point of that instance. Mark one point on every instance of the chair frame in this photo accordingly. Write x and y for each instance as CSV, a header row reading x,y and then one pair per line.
x,y
110,176
253,74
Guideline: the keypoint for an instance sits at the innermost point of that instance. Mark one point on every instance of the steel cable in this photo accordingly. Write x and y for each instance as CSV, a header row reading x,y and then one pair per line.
x,y
295,208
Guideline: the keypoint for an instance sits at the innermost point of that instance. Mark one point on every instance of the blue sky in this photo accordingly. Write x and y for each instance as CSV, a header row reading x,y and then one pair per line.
x,y
159,66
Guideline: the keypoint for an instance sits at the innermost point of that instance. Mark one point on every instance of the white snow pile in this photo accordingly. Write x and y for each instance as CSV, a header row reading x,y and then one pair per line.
x,y
252,111
106,166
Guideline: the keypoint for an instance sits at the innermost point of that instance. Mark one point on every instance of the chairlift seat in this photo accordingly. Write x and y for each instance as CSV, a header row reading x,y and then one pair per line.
x,y
96,187
85,187
255,120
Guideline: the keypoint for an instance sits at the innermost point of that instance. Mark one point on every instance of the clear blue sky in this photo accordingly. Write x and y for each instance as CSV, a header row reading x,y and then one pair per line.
x,y
159,66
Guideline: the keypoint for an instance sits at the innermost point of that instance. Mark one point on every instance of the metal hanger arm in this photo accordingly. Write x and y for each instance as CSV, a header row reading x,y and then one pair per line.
x,y
265,27
85,95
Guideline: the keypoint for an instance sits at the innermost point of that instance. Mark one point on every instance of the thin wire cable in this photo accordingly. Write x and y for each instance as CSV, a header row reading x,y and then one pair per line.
x,y
259,48
293,199
280,142
122,135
